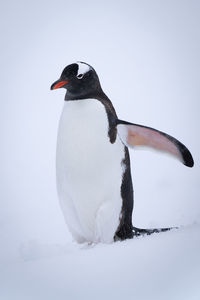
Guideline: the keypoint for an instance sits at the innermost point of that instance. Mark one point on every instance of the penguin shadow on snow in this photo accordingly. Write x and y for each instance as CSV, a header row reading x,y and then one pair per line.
x,y
94,180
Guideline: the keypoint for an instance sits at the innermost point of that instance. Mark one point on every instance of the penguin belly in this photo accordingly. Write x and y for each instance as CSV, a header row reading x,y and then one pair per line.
x,y
89,172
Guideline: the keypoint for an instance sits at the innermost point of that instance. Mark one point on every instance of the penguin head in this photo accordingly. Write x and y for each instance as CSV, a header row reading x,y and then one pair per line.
x,y
80,80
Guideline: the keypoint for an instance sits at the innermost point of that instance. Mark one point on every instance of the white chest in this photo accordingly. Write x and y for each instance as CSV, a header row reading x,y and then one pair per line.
x,y
89,171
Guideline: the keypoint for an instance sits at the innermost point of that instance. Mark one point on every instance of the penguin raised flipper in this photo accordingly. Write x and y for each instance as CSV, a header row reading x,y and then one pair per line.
x,y
92,160
134,135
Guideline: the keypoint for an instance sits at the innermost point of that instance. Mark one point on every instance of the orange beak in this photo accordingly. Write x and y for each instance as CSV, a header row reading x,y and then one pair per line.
x,y
58,84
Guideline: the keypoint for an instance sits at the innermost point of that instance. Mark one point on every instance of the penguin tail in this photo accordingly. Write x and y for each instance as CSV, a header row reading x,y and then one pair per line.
x,y
130,232
141,231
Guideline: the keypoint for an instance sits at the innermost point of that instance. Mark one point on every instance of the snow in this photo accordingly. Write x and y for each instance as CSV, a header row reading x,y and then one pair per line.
x,y
160,266
146,54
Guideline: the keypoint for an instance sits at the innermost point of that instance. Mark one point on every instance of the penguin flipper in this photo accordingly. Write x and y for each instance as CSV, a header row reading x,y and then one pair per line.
x,y
134,135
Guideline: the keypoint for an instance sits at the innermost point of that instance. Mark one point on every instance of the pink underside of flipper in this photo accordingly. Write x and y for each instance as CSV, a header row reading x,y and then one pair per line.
x,y
135,136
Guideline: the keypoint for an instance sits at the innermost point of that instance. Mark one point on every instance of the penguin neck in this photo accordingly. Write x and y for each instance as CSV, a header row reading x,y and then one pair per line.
x,y
98,95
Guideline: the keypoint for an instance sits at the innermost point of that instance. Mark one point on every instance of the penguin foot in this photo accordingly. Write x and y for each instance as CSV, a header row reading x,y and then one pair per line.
x,y
124,232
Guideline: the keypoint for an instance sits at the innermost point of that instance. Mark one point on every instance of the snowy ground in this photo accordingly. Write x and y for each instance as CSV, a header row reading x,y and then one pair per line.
x,y
161,266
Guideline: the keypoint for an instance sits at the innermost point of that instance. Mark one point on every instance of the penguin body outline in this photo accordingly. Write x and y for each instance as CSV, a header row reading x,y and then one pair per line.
x,y
93,164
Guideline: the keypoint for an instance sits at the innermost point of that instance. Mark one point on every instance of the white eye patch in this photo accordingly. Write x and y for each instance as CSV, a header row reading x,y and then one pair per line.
x,y
82,68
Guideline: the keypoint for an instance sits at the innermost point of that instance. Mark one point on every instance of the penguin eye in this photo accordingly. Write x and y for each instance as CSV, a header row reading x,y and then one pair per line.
x,y
79,76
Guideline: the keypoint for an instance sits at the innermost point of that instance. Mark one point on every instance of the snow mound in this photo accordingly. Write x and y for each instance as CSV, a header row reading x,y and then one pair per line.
x,y
161,266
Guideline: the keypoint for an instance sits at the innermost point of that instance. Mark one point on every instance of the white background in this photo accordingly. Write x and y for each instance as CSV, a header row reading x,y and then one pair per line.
x,y
146,54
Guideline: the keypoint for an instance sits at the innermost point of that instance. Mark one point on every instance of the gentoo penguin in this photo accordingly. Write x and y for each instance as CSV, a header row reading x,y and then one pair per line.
x,y
93,165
